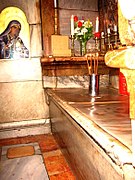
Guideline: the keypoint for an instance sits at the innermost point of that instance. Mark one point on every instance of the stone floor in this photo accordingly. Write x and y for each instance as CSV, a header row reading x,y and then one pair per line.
x,y
33,157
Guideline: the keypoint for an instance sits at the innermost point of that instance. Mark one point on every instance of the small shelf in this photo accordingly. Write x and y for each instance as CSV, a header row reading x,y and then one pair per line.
x,y
70,58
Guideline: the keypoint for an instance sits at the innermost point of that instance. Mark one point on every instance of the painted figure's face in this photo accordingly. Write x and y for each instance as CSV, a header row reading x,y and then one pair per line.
x,y
15,31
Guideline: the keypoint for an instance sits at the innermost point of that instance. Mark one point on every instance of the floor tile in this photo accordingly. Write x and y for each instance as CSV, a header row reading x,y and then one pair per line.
x,y
52,153
14,153
56,164
21,151
48,144
30,167
63,176
47,155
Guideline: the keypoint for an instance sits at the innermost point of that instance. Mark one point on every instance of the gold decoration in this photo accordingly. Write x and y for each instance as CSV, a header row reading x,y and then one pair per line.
x,y
14,13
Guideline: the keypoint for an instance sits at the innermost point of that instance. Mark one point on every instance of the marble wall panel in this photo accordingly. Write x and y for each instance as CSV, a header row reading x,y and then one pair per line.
x,y
20,70
22,101
35,41
21,91
72,81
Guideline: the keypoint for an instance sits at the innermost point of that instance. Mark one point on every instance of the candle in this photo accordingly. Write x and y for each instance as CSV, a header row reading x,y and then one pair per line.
x,y
72,25
108,30
115,28
97,25
55,3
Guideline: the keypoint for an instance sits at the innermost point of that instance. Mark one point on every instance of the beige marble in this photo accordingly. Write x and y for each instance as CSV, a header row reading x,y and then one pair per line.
x,y
35,40
94,133
21,94
72,81
24,128
31,167
20,70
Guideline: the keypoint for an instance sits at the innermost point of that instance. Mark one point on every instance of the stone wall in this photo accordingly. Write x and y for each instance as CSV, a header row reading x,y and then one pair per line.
x,y
22,99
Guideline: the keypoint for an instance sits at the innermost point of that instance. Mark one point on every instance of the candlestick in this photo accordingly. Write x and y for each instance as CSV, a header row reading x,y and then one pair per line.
x,y
103,46
72,25
56,21
72,46
109,45
97,25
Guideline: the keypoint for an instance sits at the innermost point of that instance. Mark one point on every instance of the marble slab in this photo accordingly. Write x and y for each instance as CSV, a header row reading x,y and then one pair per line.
x,y
83,142
20,70
31,167
108,112
21,93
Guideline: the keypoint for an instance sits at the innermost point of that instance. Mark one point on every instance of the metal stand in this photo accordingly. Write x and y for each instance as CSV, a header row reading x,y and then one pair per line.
x,y
72,45
97,44
103,46
55,21
92,63
109,45
115,41
94,84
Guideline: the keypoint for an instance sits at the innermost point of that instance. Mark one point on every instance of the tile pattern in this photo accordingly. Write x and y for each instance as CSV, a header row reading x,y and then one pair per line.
x,y
45,146
20,151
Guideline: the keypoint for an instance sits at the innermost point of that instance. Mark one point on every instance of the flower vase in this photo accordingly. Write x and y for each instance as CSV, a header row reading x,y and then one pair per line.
x,y
83,49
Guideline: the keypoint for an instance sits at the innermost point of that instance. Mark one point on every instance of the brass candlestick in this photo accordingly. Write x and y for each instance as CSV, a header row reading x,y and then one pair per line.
x,y
55,21
72,45
109,45
97,44
115,40
103,46
97,41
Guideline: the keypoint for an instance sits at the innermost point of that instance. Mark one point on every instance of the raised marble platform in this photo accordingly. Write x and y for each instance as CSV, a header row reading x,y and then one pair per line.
x,y
94,132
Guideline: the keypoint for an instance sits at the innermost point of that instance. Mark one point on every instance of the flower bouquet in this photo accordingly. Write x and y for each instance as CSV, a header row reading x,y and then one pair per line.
x,y
83,32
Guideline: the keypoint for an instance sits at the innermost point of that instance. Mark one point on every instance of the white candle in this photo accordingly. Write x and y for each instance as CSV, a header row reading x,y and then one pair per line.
x,y
97,25
108,30
115,28
55,3
72,25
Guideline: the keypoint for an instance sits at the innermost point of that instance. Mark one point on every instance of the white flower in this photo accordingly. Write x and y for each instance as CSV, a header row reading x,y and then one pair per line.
x,y
84,30
76,30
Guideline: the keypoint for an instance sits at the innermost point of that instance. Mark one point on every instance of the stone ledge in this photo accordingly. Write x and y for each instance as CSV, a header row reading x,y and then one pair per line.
x,y
25,128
